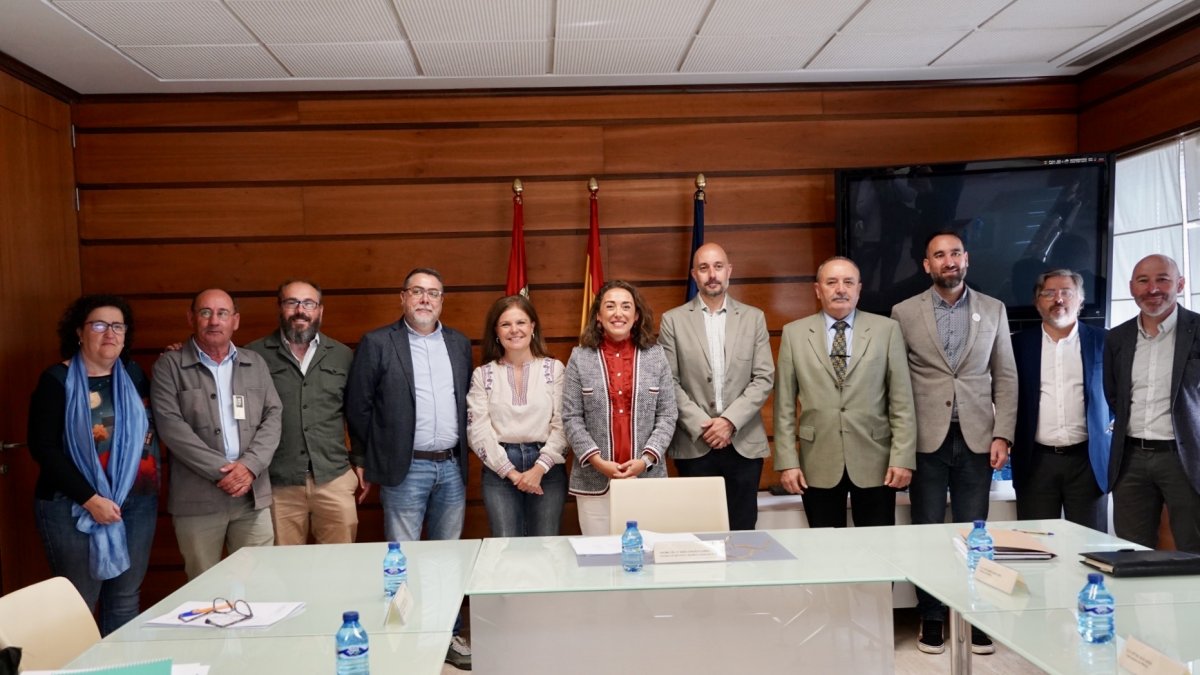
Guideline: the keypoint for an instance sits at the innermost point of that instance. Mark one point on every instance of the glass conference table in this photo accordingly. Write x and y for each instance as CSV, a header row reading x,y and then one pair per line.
x,y
822,603
329,580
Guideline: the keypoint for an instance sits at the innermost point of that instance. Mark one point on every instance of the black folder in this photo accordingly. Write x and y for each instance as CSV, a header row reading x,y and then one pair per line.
x,y
1129,563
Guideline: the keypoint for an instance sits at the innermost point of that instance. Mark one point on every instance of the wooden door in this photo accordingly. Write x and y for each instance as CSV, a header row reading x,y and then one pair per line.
x,y
39,275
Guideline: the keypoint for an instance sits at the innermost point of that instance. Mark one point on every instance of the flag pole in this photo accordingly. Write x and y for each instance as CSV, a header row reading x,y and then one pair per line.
x,y
593,272
698,201
517,282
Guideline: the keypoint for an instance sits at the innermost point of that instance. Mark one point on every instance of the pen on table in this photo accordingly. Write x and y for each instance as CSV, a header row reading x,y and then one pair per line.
x,y
201,611
1033,532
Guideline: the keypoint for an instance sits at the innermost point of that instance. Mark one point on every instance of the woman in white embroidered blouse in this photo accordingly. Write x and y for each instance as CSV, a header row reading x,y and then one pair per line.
x,y
514,423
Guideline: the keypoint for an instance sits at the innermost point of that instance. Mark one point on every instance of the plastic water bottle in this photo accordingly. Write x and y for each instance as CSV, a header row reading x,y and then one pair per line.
x,y
632,556
395,568
351,641
979,545
1096,610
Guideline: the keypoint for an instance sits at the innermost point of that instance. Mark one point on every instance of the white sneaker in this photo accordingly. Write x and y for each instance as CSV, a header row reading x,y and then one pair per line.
x,y
459,653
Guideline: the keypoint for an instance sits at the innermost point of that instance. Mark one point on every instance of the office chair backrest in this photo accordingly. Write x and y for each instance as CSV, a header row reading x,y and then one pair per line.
x,y
49,621
669,504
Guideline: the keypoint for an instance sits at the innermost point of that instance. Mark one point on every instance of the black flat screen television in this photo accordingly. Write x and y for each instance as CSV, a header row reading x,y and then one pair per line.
x,y
1017,218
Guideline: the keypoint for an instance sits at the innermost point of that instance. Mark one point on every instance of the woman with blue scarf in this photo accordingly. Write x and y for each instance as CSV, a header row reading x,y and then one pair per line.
x,y
91,432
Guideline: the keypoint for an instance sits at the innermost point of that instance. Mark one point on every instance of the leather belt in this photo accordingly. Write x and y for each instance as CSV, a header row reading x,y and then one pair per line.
x,y
1147,444
433,455
1062,449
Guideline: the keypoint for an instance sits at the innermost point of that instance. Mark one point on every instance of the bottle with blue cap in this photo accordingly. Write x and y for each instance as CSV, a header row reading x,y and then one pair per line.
x,y
351,645
632,555
979,545
1096,610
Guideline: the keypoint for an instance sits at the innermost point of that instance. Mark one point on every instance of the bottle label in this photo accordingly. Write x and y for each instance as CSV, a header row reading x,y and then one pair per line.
x,y
352,651
1099,610
394,571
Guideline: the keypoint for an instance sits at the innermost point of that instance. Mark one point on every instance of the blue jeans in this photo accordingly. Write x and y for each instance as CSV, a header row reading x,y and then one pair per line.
x,y
512,513
68,551
967,475
430,488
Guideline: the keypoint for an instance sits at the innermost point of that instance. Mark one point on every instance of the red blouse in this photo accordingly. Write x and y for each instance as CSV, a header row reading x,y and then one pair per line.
x,y
618,361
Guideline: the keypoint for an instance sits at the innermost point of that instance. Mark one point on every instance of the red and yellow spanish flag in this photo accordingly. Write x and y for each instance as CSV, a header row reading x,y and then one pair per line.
x,y
593,271
517,280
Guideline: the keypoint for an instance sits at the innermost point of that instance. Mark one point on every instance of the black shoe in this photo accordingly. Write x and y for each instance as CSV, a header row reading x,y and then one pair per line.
x,y
459,653
980,642
930,639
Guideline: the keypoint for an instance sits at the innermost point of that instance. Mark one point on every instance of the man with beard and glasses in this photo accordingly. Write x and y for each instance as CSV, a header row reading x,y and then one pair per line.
x,y
1152,381
312,480
855,434
964,382
1061,451
720,354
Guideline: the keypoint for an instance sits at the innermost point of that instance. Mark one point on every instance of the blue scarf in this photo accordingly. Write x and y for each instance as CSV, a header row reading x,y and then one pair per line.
x,y
109,552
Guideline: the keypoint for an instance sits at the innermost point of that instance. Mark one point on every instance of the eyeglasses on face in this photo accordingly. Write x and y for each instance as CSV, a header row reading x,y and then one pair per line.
x,y
293,303
417,292
1051,293
206,313
101,326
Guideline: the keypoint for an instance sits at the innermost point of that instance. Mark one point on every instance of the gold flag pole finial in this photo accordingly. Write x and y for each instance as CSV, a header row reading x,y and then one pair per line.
x,y
700,181
518,186
593,186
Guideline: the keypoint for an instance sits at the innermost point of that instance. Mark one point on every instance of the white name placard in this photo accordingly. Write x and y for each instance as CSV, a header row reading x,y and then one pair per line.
x,y
1141,659
996,575
399,606
689,551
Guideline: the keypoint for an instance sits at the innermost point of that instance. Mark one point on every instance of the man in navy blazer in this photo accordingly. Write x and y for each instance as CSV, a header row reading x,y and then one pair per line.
x,y
1152,381
406,406
1061,450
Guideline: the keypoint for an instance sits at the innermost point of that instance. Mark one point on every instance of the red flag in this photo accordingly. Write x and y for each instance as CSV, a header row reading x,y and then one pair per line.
x,y
593,271
517,281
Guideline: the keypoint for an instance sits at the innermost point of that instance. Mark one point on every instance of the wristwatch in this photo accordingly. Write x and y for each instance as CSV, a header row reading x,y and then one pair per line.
x,y
649,460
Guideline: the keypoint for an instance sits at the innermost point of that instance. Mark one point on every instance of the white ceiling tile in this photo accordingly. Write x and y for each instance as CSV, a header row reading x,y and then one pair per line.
x,y
737,53
352,60
207,62
319,21
158,23
883,51
608,19
483,59
603,57
776,17
1010,46
899,16
1038,14
472,20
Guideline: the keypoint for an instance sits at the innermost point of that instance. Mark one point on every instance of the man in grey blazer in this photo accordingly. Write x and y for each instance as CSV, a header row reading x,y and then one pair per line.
x,y
856,430
719,351
216,409
1152,383
964,380
406,406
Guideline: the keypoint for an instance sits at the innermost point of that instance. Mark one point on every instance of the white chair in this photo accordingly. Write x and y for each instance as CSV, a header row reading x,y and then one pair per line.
x,y
49,621
669,504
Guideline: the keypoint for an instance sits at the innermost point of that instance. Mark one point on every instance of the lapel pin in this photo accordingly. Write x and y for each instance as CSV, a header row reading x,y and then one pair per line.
x,y
975,317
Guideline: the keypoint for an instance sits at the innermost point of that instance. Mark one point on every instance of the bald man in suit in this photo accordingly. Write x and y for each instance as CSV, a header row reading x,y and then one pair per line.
x,y
856,430
720,355
965,384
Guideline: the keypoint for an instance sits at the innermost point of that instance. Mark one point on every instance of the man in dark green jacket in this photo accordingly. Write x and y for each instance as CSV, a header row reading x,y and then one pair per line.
x,y
312,477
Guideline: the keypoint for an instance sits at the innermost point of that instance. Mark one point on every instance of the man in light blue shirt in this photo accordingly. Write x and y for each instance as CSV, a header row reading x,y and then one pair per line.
x,y
217,411
406,406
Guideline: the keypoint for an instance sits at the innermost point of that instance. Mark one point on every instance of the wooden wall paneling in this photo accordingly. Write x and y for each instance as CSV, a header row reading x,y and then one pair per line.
x,y
764,146
419,108
1060,97
39,275
1163,106
191,213
307,155
356,263
191,113
1140,65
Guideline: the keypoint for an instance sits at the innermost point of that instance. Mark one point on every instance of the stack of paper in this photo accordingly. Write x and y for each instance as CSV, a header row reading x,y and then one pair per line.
x,y
265,614
1010,545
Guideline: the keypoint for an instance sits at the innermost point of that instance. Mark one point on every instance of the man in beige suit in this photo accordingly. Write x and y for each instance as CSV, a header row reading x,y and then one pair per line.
x,y
720,355
848,372
965,380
